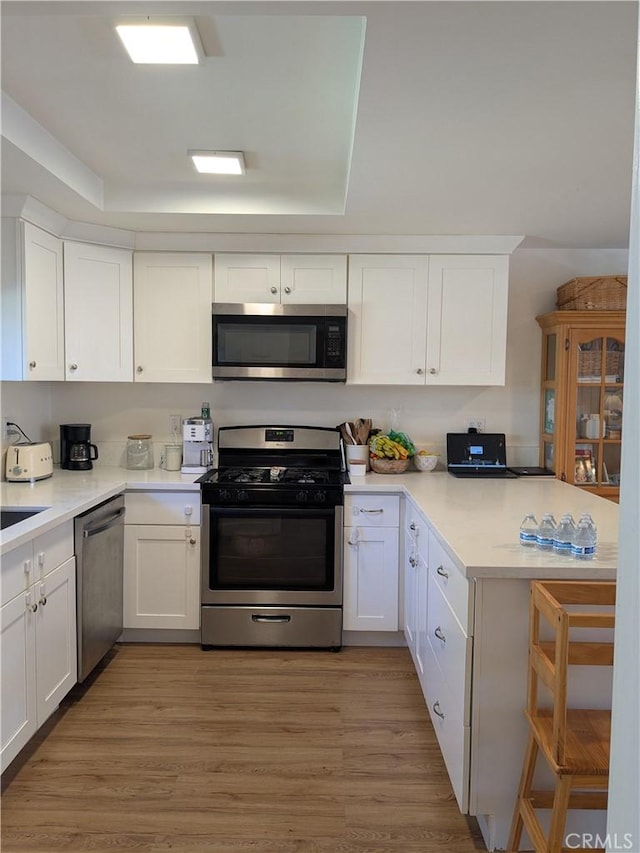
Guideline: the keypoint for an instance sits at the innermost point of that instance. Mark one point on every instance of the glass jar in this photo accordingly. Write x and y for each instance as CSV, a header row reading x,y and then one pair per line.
x,y
139,452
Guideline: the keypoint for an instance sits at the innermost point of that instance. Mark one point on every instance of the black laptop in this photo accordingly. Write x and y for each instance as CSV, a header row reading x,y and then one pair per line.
x,y
480,455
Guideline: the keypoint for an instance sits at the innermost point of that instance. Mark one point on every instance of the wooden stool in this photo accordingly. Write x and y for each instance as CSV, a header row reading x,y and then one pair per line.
x,y
574,742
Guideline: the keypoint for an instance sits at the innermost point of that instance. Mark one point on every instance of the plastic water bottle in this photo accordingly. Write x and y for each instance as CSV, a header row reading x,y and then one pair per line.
x,y
546,532
564,535
529,531
584,540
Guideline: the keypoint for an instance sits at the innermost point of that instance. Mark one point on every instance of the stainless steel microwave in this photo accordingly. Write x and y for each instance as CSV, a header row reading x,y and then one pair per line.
x,y
280,342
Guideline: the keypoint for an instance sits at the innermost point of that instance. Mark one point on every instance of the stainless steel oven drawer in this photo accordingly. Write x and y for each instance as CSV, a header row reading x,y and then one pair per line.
x,y
283,627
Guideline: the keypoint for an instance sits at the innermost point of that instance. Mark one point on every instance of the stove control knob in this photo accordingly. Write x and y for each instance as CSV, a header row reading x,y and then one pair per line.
x,y
320,497
225,494
302,497
242,495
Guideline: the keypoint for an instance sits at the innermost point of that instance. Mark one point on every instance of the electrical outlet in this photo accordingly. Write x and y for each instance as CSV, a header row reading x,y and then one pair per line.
x,y
477,423
7,431
175,424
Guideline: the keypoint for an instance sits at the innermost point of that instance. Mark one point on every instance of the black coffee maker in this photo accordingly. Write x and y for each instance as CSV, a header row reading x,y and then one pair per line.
x,y
76,451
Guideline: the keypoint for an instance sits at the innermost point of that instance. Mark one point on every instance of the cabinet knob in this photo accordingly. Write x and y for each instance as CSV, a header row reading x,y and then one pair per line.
x,y
139,369
432,370
438,633
419,371
192,541
32,364
73,366
437,711
274,290
412,526
43,600
287,290
440,570
413,562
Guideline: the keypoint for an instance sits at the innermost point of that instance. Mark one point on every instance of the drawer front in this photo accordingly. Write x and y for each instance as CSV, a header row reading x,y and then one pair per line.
x,y
416,529
372,510
33,560
454,738
53,548
457,589
452,649
17,571
162,507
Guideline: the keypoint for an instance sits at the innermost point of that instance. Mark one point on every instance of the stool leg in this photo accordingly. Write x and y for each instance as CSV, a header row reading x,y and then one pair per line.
x,y
524,789
559,814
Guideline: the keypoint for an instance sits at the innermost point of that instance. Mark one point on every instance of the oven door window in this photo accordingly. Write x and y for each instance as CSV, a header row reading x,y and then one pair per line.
x,y
276,342
272,549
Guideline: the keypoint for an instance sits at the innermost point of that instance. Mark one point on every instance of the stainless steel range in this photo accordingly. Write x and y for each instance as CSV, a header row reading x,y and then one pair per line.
x,y
272,539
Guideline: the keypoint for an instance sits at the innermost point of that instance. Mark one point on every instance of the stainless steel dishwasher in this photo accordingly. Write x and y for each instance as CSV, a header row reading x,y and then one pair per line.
x,y
99,547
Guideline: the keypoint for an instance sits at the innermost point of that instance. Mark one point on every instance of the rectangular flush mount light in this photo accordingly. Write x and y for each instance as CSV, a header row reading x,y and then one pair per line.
x,y
218,162
161,43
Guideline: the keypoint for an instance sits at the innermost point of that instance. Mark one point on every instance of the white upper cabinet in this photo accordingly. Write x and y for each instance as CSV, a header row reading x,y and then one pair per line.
x,y
387,319
313,279
172,294
467,319
427,320
32,303
293,279
98,304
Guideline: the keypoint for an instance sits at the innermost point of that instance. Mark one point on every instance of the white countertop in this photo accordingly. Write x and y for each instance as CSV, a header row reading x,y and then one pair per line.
x,y
479,521
69,493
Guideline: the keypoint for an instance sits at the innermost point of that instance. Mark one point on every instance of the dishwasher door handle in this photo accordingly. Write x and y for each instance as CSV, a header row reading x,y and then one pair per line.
x,y
99,528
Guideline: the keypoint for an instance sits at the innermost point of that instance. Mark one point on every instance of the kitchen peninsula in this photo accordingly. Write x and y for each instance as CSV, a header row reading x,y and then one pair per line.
x,y
462,576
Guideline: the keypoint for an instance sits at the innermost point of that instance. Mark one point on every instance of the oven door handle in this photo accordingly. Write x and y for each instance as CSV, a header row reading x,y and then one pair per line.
x,y
255,617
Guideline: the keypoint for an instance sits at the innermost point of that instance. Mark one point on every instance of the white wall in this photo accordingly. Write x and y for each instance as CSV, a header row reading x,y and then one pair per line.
x,y
427,414
623,824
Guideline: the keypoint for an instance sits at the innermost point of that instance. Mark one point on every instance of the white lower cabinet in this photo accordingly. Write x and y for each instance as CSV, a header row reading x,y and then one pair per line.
x,y
162,560
416,533
371,563
38,636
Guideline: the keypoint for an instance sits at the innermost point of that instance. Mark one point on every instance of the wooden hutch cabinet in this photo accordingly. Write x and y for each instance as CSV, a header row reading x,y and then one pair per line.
x,y
582,394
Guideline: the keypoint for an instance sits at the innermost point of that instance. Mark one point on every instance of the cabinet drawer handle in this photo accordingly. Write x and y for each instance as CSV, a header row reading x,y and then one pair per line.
x,y
372,511
440,570
274,290
439,634
437,711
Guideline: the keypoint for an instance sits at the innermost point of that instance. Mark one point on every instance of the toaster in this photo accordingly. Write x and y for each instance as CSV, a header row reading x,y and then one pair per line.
x,y
27,462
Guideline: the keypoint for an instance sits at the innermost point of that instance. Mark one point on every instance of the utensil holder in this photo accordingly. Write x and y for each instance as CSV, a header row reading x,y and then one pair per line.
x,y
357,453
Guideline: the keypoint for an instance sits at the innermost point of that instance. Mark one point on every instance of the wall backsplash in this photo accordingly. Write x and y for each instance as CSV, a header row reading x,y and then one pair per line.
x,y
117,410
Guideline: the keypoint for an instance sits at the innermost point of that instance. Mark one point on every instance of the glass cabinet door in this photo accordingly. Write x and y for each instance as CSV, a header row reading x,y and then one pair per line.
x,y
597,365
548,402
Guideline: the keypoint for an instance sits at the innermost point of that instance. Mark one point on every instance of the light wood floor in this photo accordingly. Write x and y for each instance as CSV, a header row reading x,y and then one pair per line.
x,y
172,748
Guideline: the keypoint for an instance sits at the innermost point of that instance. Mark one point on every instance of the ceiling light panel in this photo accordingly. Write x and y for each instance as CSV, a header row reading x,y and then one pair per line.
x,y
218,162
157,44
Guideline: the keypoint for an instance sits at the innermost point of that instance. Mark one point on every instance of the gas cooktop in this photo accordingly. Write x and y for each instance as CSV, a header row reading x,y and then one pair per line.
x,y
273,476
